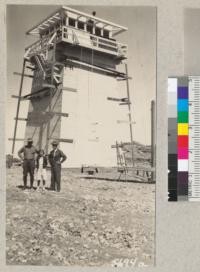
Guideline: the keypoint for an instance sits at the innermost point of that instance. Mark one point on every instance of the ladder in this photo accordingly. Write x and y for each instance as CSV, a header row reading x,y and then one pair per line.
x,y
18,105
126,101
129,114
52,76
121,161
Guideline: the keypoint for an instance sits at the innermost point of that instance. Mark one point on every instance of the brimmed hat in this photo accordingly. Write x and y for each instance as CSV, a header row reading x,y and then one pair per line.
x,y
55,143
29,140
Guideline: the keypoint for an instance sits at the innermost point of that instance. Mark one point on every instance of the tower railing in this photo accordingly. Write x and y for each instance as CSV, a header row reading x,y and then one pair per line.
x,y
78,37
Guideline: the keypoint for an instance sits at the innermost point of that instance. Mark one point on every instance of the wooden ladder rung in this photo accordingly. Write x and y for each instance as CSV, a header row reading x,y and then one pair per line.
x,y
125,103
125,78
21,119
16,96
20,74
16,139
31,68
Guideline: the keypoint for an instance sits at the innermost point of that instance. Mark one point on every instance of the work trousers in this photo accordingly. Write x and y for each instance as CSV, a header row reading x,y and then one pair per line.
x,y
28,167
55,176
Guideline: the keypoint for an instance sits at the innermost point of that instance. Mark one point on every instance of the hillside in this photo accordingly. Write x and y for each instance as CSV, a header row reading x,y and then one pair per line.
x,y
142,153
90,223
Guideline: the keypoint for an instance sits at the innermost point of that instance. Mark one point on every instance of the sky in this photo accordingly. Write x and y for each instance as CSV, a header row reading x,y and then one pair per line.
x,y
141,41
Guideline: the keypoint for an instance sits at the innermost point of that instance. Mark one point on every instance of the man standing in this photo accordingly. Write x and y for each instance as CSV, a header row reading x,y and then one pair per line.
x,y
56,157
27,155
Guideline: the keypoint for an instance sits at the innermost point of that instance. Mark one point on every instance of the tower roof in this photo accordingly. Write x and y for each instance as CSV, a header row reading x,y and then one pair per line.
x,y
64,11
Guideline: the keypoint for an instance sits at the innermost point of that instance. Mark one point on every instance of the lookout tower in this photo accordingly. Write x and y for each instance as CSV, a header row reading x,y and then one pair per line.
x,y
75,96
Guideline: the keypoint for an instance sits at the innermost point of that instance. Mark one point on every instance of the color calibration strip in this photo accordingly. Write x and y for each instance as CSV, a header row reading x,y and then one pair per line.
x,y
194,138
184,138
172,139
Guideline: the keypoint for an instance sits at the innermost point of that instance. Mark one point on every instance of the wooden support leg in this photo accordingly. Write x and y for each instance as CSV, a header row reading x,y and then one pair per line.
x,y
18,106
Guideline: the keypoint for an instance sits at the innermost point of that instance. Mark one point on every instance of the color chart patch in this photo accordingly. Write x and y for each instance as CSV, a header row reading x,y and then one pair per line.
x,y
184,138
183,126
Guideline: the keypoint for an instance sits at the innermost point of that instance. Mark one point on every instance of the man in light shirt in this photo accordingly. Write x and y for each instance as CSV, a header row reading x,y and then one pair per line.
x,y
41,165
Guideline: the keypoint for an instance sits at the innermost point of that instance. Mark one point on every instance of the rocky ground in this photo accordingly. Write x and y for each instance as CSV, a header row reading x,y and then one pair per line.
x,y
89,223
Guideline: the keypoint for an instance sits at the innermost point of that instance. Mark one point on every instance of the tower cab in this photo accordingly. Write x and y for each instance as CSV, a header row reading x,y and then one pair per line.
x,y
75,28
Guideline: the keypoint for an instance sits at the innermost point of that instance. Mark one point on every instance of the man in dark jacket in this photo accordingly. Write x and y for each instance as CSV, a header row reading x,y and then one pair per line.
x,y
56,157
29,152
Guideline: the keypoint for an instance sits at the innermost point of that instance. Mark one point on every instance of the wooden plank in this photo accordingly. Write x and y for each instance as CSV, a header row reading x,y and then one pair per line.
x,y
45,24
125,78
89,166
93,66
118,32
66,140
69,89
34,94
45,87
135,179
114,99
52,21
21,119
40,27
16,139
60,113
56,17
125,122
34,28
16,96
62,140
121,145
124,99
125,103
20,74
140,168
118,145
31,68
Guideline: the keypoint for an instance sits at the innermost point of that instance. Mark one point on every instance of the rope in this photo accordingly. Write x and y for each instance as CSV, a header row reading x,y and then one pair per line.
x,y
88,100
90,128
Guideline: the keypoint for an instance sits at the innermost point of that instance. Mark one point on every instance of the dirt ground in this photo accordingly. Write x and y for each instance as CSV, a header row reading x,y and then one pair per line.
x,y
89,223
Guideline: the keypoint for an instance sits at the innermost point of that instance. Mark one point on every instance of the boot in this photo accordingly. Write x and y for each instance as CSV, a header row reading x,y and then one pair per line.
x,y
25,182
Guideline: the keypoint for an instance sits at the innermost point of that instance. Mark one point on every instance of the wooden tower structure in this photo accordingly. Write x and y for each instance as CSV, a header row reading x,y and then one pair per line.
x,y
75,88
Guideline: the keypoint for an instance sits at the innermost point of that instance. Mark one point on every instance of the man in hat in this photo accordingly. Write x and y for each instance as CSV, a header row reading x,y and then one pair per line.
x,y
56,157
27,155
